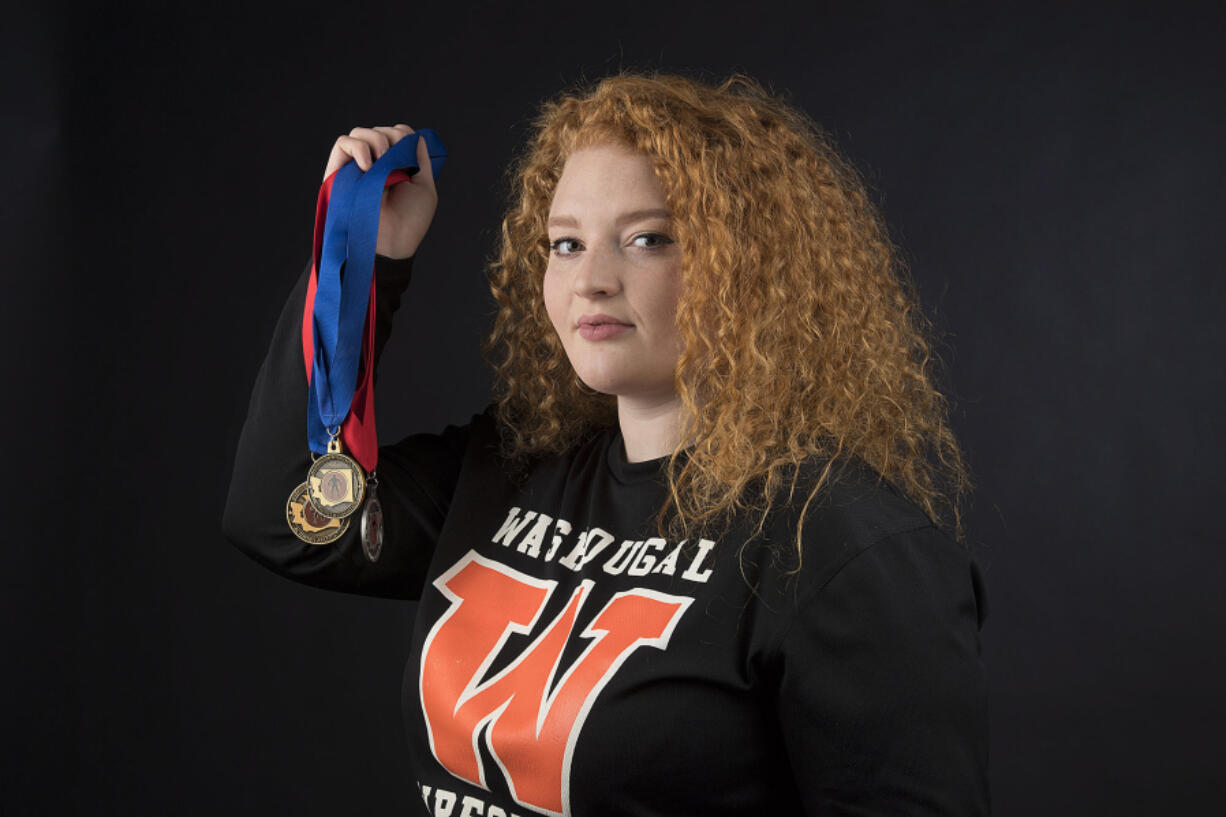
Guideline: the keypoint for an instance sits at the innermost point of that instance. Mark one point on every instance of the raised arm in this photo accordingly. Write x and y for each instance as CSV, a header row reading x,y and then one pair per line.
x,y
416,476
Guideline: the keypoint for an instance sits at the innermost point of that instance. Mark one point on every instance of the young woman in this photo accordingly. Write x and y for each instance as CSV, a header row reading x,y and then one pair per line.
x,y
695,558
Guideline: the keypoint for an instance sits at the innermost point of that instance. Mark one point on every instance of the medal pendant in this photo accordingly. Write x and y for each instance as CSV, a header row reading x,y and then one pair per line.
x,y
336,483
308,524
372,524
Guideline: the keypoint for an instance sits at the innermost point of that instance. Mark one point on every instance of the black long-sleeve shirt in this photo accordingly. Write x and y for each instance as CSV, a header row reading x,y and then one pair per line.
x,y
565,659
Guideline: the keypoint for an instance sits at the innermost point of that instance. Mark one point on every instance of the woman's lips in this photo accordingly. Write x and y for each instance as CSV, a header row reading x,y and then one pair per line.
x,y
601,326
602,331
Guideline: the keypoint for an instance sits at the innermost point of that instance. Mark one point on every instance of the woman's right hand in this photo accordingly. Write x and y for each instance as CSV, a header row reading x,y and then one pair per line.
x,y
408,207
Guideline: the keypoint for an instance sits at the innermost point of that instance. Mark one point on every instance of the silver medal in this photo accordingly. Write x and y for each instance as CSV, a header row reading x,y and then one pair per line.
x,y
372,522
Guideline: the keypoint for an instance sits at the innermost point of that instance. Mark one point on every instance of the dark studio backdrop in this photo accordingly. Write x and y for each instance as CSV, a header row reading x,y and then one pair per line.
x,y
1054,177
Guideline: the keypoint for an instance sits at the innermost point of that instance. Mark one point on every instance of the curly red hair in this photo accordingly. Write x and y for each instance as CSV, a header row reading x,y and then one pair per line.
x,y
803,341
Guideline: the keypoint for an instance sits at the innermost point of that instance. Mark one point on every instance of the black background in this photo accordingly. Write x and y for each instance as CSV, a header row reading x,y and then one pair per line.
x,y
1053,175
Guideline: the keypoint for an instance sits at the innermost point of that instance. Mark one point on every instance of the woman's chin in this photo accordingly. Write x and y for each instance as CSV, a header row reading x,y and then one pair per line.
x,y
629,392
603,385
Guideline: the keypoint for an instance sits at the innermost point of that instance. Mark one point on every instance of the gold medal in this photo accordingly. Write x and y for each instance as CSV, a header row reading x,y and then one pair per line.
x,y
372,523
308,524
336,484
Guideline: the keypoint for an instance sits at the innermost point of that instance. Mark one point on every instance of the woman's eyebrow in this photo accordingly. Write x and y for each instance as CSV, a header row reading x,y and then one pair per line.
x,y
624,218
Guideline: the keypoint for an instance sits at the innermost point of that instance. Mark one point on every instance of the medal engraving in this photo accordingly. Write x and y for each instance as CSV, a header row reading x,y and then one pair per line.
x,y
308,524
336,486
372,526
336,483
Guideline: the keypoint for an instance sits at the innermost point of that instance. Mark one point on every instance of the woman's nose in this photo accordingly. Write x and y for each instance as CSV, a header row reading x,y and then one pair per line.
x,y
597,274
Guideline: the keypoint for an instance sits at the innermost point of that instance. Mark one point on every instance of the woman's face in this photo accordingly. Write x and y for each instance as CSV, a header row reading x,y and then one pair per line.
x,y
614,274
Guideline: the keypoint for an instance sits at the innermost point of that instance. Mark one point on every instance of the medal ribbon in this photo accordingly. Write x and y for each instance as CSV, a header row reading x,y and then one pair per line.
x,y
338,315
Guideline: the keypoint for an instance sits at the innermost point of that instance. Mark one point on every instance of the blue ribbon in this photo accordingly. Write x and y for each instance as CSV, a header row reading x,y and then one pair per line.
x,y
342,295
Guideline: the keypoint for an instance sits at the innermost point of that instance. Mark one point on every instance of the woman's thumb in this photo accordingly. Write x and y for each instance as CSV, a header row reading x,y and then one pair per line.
x,y
425,170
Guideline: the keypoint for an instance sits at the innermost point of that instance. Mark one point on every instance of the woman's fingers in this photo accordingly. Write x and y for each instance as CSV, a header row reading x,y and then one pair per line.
x,y
365,145
400,131
397,132
345,149
376,141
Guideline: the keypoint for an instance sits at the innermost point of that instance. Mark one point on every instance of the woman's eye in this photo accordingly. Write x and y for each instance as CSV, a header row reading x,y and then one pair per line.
x,y
651,241
564,246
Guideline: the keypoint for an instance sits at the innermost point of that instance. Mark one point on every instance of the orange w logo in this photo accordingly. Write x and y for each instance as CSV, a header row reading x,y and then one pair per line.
x,y
532,730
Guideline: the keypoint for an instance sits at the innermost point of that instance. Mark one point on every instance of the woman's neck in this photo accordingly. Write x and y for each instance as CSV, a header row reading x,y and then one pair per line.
x,y
650,428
